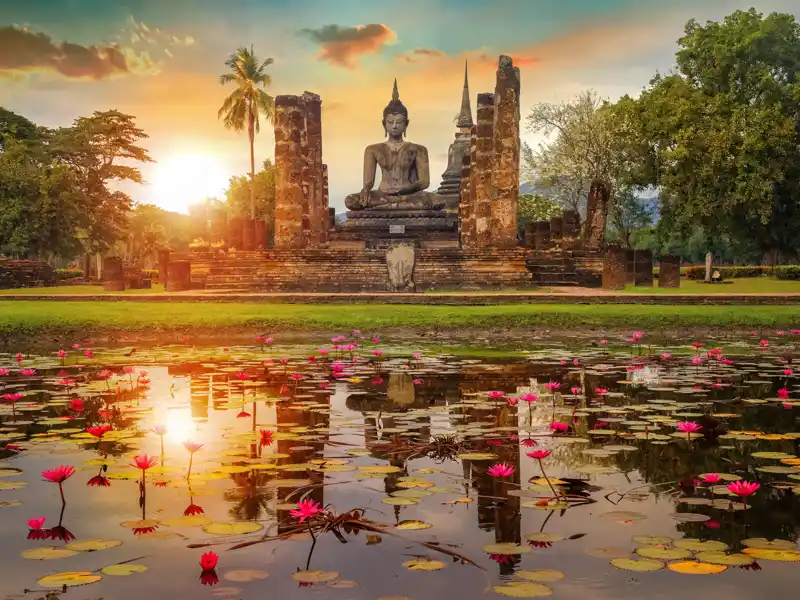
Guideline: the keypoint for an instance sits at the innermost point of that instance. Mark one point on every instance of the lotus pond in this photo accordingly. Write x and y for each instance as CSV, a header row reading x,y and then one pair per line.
x,y
362,470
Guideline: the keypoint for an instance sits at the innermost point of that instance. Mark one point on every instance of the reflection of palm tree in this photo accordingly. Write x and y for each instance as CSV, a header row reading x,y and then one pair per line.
x,y
244,105
249,498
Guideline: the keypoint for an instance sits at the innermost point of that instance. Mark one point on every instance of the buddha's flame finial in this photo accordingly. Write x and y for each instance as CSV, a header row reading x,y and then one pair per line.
x,y
395,93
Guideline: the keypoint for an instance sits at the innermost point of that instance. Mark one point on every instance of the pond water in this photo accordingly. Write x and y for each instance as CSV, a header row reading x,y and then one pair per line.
x,y
402,453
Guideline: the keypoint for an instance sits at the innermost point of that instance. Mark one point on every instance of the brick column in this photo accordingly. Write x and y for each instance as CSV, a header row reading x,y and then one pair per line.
x,y
541,235
594,233
572,224
614,271
505,161
317,215
482,169
630,266
556,227
669,273
466,216
326,208
643,268
289,163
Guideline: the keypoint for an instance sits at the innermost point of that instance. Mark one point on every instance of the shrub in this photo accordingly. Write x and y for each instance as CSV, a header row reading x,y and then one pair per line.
x,y
699,272
66,274
787,272
151,274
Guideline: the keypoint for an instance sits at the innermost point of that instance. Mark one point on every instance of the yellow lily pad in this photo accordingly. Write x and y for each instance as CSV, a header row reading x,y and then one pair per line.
x,y
506,549
776,555
187,521
541,575
730,560
543,536
314,576
477,456
765,544
48,553
235,528
700,546
380,469
691,567
413,525
641,565
424,564
69,579
244,575
661,553
93,545
123,570
652,540
523,589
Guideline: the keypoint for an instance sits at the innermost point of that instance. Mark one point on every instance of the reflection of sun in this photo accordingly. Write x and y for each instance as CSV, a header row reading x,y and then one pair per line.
x,y
180,426
181,180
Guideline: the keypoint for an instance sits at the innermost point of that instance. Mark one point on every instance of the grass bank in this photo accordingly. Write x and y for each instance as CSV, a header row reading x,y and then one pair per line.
x,y
744,285
31,318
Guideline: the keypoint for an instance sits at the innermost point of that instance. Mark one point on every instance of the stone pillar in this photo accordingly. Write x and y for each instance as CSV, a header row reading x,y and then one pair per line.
x,y
529,237
709,260
163,266
113,274
669,273
505,160
630,265
596,209
482,169
260,234
541,239
289,163
643,268
235,228
466,216
614,271
317,212
556,227
219,224
179,276
326,208
572,224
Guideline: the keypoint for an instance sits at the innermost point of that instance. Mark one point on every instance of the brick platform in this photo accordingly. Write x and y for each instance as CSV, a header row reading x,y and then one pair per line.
x,y
352,270
566,268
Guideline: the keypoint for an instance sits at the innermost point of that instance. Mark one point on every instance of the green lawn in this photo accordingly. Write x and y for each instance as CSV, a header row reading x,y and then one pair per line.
x,y
744,285
84,317
67,290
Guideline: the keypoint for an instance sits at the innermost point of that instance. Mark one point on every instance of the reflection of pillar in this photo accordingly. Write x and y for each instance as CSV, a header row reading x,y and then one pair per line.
x,y
400,390
199,386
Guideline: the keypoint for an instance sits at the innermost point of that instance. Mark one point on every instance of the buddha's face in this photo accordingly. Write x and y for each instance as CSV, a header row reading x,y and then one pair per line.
x,y
395,125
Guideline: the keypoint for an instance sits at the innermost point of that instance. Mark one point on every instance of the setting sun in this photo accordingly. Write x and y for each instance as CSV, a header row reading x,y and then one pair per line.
x,y
181,180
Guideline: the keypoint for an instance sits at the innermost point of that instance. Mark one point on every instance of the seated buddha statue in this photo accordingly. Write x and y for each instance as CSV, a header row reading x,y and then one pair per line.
x,y
405,169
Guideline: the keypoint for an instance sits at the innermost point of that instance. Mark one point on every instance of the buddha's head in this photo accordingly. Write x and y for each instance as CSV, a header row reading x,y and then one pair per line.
x,y
395,116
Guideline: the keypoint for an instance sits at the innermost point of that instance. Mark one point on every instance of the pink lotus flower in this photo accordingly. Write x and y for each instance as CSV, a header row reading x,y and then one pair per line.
x,y
208,561
557,427
697,361
688,427
417,381
76,405
576,362
296,376
529,442
244,414
144,462
4,372
323,351
337,367
416,355
604,342
377,352
284,361
242,376
88,354
783,393
529,398
129,370
99,481
501,470
62,353
59,474
98,431
18,357
575,390
12,397
266,437
787,372
601,391
538,454
552,385
27,372
211,578
743,489
105,374
779,333
711,478
75,346
160,429
512,401
637,335
763,343
192,446
306,509
496,395
697,345
666,355
36,524
192,510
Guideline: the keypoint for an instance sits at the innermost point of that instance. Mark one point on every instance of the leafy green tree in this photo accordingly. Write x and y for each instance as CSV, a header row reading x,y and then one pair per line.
x,y
723,135
627,215
534,207
241,194
242,108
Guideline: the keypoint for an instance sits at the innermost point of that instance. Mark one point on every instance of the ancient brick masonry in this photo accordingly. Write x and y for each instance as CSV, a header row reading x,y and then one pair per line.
x,y
466,214
596,210
301,211
481,166
669,275
505,162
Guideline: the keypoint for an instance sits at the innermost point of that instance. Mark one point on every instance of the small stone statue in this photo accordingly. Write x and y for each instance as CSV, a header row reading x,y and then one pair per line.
x,y
405,169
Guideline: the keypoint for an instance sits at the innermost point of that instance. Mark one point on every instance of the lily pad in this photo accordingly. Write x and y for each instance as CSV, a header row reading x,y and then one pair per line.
x,y
123,570
691,567
641,565
523,589
234,528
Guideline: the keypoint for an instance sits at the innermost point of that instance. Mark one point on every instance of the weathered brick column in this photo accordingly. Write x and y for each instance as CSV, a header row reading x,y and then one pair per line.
x,y
466,215
596,207
328,223
505,161
113,274
317,215
614,271
643,268
556,227
482,169
541,234
529,235
572,224
235,230
290,199
163,265
669,273
179,276
630,266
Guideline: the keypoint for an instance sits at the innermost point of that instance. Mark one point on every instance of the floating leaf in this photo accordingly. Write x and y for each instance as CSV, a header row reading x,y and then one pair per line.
x,y
649,540
413,525
765,544
398,501
690,567
520,589
69,579
424,564
640,565
661,553
701,546
48,553
234,528
477,456
245,575
730,560
314,576
505,549
540,575
123,570
623,516
776,555
543,536
191,520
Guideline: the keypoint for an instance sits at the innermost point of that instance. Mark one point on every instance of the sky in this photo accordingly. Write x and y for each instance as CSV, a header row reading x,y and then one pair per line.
x,y
161,60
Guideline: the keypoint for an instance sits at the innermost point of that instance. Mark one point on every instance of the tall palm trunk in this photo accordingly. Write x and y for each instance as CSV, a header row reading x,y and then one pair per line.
x,y
251,131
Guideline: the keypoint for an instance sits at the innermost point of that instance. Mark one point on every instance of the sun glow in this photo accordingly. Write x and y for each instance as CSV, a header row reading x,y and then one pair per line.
x,y
182,180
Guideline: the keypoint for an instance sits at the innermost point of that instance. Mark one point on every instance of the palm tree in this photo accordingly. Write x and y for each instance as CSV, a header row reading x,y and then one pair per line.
x,y
242,108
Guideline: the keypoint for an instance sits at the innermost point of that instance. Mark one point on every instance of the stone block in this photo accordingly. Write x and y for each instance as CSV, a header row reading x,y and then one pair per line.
x,y
163,264
571,220
556,228
643,268
669,273
541,235
630,265
614,269
235,230
248,235
400,261
179,276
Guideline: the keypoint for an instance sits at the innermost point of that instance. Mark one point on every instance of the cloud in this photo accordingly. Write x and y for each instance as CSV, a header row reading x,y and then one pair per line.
x,y
417,54
343,46
22,51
